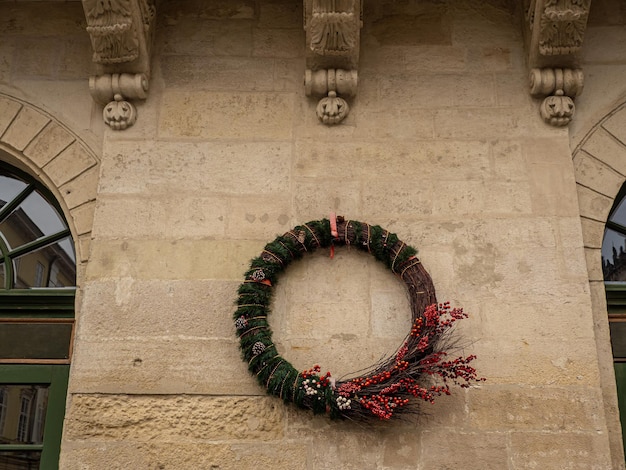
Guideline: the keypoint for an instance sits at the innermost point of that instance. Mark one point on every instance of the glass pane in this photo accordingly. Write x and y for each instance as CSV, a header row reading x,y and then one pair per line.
x,y
32,219
619,214
33,340
23,413
614,256
618,339
22,460
2,276
51,266
9,187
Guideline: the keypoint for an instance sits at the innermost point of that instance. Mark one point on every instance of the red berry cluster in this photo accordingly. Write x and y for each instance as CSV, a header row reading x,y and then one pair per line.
x,y
313,372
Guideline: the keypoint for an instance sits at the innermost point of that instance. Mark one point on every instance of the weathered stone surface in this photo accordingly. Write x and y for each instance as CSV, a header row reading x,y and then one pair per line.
x,y
597,175
26,125
259,218
479,451
221,115
171,456
161,364
73,161
499,408
606,148
8,110
81,189
82,216
160,216
616,125
48,144
171,259
218,73
194,308
593,205
250,168
561,450
196,419
199,36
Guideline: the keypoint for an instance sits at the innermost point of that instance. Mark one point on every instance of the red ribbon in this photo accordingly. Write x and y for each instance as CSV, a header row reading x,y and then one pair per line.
x,y
333,232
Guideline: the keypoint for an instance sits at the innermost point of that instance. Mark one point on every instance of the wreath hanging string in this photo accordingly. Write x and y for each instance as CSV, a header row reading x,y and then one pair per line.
x,y
418,370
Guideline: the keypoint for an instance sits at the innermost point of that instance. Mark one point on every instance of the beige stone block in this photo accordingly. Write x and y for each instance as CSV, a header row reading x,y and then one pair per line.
x,y
280,14
404,160
215,10
562,360
75,58
593,233
54,20
81,189
48,144
26,125
280,43
390,124
156,308
516,319
164,364
596,40
593,257
445,449
616,125
195,419
84,242
288,75
474,90
216,167
315,198
402,450
344,355
38,57
391,198
171,259
512,91
7,50
76,111
150,216
259,218
607,149
593,205
407,90
492,123
597,175
221,115
547,408
73,161
439,58
9,108
473,198
217,73
82,217
507,160
187,34
560,450
549,184
89,455
485,24
391,312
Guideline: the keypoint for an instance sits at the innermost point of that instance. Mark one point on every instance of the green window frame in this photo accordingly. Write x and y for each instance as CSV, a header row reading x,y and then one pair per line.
x,y
36,323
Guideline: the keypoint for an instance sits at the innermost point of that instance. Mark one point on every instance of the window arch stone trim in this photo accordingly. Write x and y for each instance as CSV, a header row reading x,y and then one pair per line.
x,y
39,143
600,169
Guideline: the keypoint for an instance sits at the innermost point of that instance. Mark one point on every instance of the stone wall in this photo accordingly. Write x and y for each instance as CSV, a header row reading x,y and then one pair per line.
x,y
443,146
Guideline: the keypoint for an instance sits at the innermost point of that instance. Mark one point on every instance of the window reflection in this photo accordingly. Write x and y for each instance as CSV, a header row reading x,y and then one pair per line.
x,y
32,219
9,187
24,414
614,255
22,420
50,266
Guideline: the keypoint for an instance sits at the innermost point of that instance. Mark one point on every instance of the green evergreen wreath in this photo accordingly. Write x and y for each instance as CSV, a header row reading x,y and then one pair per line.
x,y
418,370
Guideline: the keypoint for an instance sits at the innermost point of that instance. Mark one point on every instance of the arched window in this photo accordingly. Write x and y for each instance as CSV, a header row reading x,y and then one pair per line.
x,y
37,290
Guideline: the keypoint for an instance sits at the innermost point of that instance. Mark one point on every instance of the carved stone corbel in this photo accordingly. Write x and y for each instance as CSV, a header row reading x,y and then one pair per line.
x,y
333,34
555,30
121,34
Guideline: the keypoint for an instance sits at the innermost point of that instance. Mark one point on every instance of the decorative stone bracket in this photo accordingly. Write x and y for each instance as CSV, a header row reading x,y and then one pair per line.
x,y
332,54
121,34
554,32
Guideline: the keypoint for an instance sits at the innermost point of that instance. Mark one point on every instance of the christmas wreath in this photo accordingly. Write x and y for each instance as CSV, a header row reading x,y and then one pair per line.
x,y
418,370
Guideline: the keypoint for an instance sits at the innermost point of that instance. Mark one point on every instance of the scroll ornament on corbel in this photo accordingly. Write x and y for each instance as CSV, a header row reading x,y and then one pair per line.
x,y
333,36
112,91
560,87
